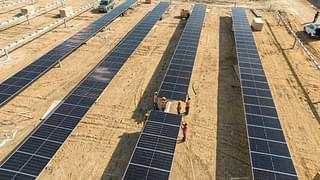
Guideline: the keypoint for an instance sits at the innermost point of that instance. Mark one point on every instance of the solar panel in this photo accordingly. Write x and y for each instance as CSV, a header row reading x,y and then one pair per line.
x,y
19,81
270,156
28,160
176,81
153,155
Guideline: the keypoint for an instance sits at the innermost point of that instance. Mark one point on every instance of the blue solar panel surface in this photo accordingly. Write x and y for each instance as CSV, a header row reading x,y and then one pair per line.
x,y
153,154
36,151
176,81
270,156
16,83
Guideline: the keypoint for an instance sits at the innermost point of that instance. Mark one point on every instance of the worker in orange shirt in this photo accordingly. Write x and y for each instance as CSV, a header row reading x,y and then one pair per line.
x,y
155,101
179,107
184,128
188,104
163,103
146,116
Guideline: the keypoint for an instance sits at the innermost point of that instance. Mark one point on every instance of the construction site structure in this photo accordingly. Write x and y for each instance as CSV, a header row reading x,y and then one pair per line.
x,y
257,24
27,10
184,13
66,11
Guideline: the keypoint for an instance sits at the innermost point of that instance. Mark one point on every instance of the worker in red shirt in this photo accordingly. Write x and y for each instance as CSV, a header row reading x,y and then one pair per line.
x,y
155,101
184,128
163,103
188,104
179,107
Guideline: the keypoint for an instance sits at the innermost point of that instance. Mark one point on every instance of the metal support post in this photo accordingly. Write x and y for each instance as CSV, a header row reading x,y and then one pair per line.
x,y
65,22
59,63
279,21
294,44
28,19
270,6
6,52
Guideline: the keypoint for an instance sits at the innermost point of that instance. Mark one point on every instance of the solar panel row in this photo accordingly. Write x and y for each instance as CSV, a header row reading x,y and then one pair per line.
x,y
176,81
153,155
270,156
16,83
36,151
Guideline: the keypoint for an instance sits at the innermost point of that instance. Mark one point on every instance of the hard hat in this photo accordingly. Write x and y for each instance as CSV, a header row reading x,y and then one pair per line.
x,y
147,114
164,98
156,92
179,101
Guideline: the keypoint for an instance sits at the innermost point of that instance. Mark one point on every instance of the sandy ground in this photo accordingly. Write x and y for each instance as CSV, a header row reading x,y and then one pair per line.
x,y
216,147
16,32
11,9
295,85
10,12
22,57
112,127
34,101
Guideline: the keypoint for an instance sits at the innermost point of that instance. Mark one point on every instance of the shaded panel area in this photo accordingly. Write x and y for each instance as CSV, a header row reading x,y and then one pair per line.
x,y
232,156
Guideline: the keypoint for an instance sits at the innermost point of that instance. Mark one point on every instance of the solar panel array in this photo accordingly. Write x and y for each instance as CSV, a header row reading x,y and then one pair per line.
x,y
270,156
153,155
19,81
28,160
176,81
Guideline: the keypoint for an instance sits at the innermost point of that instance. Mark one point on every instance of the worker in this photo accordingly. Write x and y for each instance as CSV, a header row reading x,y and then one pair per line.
x,y
187,108
184,128
179,107
155,101
163,103
146,116
315,19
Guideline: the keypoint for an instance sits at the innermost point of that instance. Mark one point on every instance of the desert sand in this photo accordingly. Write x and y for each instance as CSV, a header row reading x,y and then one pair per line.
x,y
216,148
